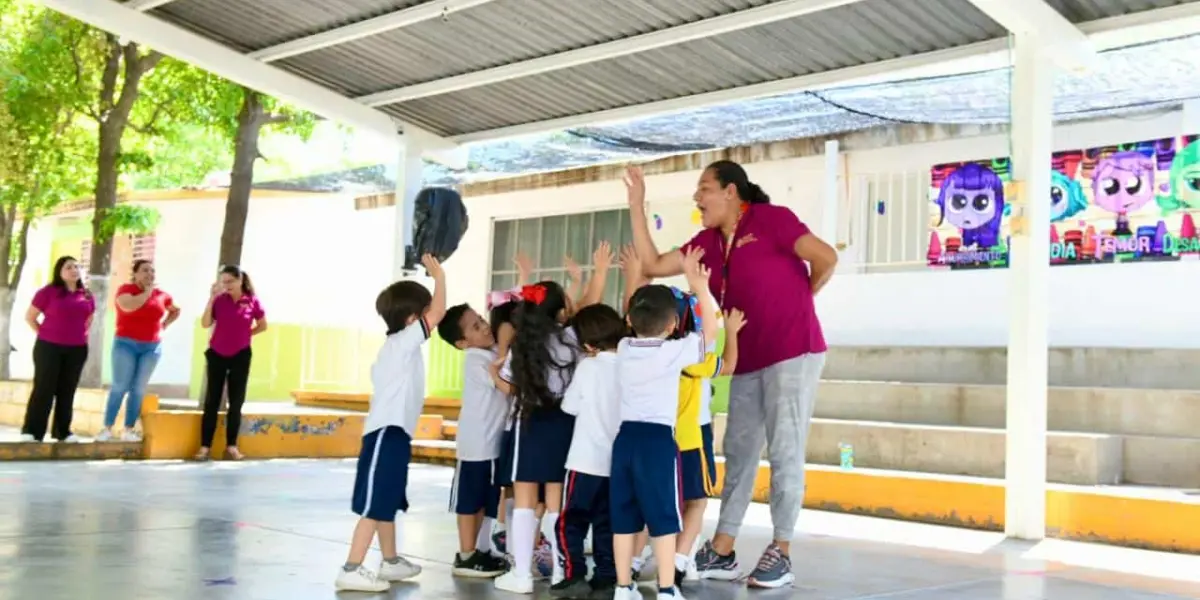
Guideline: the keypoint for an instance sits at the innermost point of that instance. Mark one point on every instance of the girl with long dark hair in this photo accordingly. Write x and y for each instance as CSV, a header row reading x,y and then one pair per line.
x,y
537,371
235,315
66,309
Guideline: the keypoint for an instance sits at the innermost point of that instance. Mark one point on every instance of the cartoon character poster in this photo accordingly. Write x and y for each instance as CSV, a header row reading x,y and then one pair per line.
x,y
1127,203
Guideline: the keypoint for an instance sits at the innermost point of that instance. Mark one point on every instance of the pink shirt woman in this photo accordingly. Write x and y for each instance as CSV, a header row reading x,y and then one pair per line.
x,y
235,315
767,263
65,308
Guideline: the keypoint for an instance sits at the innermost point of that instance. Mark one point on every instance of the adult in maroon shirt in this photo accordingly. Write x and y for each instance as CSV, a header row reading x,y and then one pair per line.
x,y
66,308
767,263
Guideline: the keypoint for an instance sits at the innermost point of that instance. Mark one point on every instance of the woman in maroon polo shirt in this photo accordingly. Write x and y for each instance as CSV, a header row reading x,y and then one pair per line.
x,y
66,308
767,263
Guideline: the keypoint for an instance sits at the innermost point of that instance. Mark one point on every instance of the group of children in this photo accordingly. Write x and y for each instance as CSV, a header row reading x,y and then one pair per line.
x,y
595,423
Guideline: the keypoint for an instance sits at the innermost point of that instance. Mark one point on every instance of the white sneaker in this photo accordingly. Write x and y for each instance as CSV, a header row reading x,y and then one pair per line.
x,y
676,596
399,571
105,435
691,573
27,438
587,543
72,439
624,593
129,435
360,580
515,583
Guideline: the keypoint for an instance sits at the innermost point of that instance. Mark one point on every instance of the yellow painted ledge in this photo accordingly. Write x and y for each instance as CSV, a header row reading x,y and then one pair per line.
x,y
1074,513
447,407
59,451
87,414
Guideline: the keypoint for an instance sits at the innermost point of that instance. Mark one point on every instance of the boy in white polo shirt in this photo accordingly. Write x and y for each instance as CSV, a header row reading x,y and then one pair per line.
x,y
398,382
475,494
645,479
593,397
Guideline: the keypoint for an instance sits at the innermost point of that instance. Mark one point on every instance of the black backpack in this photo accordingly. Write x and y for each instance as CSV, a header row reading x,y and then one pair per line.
x,y
439,223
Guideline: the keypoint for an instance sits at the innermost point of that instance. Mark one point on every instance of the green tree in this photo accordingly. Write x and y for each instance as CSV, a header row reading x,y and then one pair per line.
x,y
44,153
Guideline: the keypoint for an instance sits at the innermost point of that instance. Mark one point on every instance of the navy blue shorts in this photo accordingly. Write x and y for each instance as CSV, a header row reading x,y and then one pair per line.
x,y
540,446
474,488
381,484
699,468
644,489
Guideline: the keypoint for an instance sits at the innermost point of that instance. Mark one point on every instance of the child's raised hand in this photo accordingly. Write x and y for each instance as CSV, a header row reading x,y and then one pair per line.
x,y
631,264
734,321
602,258
524,266
574,271
432,266
693,269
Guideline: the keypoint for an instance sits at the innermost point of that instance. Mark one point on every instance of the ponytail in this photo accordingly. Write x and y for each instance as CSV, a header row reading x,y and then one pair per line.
x,y
728,173
533,362
247,287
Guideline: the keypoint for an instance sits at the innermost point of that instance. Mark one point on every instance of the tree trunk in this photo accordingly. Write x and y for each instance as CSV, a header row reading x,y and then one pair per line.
x,y
251,119
8,288
6,307
114,119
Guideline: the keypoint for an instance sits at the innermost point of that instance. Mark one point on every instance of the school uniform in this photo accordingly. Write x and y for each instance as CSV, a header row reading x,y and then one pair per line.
x,y
542,437
706,431
645,481
398,384
697,467
480,432
594,399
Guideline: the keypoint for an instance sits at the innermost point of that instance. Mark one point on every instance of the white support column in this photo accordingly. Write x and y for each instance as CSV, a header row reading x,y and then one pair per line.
x,y
1191,118
1032,98
408,184
831,199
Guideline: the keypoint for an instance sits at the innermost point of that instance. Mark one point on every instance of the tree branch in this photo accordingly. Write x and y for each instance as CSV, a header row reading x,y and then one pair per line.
x,y
151,125
273,119
91,111
149,61
108,82
14,274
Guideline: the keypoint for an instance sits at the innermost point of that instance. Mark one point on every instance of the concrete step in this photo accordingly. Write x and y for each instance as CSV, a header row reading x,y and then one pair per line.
x,y
1074,458
1138,412
1077,367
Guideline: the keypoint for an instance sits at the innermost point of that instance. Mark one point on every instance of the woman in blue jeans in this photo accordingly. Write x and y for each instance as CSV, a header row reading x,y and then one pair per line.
x,y
143,311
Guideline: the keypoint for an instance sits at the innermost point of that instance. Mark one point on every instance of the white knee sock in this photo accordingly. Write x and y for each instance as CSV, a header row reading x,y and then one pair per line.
x,y
520,539
483,540
549,525
509,506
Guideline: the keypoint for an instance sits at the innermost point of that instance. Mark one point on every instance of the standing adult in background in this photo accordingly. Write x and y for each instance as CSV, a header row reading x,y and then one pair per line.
x,y
66,308
143,312
768,264
234,313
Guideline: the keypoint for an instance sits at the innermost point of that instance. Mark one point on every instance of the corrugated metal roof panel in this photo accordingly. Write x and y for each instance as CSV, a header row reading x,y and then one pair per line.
x,y
497,33
1078,11
249,25
859,33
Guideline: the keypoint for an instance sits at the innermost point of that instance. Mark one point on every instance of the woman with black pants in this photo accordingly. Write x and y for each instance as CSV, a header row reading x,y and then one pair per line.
x,y
234,313
66,308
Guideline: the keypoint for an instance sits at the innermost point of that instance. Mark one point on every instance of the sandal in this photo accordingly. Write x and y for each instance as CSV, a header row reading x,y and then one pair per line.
x,y
202,456
232,453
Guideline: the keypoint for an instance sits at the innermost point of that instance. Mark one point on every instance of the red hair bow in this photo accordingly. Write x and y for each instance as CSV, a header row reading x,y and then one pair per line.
x,y
534,293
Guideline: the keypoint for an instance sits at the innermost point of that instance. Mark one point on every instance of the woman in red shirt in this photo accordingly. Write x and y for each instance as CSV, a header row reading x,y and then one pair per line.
x,y
143,311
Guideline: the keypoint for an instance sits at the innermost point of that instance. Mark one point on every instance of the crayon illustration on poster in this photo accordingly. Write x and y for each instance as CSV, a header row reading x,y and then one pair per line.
x,y
1127,203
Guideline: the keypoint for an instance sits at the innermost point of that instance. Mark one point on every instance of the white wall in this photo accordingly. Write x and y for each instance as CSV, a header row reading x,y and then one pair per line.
x,y
1142,305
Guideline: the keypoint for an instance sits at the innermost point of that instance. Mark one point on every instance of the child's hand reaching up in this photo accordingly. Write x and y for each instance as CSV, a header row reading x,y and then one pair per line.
x,y
734,321
696,273
631,265
603,256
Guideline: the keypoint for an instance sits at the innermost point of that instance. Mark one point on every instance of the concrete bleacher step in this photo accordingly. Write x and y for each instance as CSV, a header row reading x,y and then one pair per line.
x,y
17,451
1080,367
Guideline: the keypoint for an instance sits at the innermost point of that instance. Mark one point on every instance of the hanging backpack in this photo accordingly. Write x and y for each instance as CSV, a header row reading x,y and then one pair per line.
x,y
439,223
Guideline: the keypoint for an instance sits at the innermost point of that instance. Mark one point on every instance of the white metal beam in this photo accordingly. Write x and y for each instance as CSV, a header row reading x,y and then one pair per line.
x,y
219,60
744,19
374,26
1069,47
145,5
1114,32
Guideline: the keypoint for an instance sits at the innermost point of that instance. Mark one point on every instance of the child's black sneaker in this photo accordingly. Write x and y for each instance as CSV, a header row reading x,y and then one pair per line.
x,y
575,587
602,589
480,565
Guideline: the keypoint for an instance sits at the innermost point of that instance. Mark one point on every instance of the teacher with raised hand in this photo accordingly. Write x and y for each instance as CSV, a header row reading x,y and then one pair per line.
x,y
768,264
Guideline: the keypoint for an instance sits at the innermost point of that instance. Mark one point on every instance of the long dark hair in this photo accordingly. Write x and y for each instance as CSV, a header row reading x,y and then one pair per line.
x,y
533,362
137,264
57,280
728,172
236,271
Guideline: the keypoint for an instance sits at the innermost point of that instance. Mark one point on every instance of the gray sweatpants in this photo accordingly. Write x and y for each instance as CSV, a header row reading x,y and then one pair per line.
x,y
775,406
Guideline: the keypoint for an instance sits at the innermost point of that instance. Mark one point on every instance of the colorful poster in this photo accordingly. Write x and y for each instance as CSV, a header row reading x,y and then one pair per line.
x,y
1127,203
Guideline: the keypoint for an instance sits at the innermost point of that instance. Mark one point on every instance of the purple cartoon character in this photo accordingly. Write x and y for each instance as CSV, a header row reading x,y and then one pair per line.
x,y
972,199
1123,182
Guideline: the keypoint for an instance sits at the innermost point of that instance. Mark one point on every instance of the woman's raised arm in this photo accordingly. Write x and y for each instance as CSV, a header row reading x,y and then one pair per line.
x,y
653,263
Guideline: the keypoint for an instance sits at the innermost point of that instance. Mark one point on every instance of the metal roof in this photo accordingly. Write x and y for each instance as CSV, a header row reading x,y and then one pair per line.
x,y
470,70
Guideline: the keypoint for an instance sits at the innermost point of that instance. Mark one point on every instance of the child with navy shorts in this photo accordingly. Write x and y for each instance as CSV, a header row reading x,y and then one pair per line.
x,y
475,493
645,480
398,382
594,399
536,373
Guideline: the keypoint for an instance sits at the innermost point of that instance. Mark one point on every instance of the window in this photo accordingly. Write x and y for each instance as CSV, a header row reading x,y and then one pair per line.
x,y
546,240
142,246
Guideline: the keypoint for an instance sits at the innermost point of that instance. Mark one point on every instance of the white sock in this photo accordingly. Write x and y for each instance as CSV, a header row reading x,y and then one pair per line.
x,y
638,562
520,539
681,562
483,540
509,505
549,525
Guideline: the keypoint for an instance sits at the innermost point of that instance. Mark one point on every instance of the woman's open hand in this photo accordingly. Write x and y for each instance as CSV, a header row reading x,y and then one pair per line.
x,y
635,186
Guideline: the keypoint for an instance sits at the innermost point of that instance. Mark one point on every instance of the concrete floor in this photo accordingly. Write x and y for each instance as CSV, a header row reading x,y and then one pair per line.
x,y
278,530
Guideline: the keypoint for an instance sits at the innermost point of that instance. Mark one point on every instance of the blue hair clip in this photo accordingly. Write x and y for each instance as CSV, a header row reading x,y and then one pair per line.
x,y
687,302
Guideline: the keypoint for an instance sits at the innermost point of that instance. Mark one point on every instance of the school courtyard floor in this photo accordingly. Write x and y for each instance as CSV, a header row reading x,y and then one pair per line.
x,y
277,530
